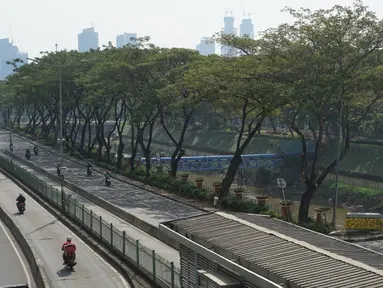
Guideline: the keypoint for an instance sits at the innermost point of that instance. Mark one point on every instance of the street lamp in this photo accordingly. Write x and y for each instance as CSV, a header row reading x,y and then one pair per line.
x,y
336,192
36,60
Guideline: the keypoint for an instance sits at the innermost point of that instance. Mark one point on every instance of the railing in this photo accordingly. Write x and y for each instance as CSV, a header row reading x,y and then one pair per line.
x,y
161,271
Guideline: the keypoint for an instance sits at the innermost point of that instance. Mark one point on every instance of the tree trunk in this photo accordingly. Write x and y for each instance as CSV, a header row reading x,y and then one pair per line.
x,y
133,146
230,174
303,215
90,138
148,161
176,157
83,132
120,153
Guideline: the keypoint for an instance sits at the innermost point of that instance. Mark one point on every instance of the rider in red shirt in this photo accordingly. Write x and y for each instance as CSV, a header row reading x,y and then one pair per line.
x,y
69,249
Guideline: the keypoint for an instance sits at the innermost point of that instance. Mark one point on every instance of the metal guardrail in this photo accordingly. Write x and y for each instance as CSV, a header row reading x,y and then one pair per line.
x,y
147,261
16,286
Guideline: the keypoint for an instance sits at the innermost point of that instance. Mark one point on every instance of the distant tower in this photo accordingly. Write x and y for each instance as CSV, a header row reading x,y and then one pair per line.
x,y
206,46
87,40
247,28
125,39
228,29
9,52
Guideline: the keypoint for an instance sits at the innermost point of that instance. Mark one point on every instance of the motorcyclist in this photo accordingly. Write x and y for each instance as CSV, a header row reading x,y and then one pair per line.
x,y
89,169
69,249
107,177
11,147
27,153
36,150
20,199
58,169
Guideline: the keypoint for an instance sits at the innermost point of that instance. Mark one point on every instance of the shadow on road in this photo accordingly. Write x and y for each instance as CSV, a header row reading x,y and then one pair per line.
x,y
64,272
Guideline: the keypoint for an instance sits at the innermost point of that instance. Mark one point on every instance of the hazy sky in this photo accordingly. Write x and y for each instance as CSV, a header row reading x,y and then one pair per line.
x,y
36,25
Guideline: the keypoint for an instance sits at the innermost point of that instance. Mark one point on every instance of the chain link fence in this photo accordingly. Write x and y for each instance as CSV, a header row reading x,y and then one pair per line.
x,y
146,260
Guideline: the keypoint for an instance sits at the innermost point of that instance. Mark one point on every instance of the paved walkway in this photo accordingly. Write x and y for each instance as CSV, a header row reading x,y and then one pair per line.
x,y
149,207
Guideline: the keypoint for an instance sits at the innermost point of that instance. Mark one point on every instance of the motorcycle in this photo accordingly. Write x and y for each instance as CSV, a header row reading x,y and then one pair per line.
x,y
21,207
70,262
108,182
36,150
28,155
89,171
58,169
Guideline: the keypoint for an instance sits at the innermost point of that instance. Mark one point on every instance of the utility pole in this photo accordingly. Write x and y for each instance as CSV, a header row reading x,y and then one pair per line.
x,y
61,143
337,166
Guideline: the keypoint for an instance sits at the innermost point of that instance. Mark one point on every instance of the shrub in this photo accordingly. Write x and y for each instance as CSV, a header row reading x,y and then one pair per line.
x,y
312,224
235,205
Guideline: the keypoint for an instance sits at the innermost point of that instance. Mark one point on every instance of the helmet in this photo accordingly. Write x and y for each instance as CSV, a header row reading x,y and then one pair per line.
x,y
69,238
21,194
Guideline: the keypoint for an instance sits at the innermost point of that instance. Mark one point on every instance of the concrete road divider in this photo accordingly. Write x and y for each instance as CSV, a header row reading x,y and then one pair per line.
x,y
142,225
34,263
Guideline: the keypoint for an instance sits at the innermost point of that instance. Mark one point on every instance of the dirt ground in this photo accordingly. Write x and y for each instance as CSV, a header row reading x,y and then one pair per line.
x,y
273,202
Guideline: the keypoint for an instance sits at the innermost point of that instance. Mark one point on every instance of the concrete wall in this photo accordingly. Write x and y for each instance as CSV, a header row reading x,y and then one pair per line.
x,y
34,262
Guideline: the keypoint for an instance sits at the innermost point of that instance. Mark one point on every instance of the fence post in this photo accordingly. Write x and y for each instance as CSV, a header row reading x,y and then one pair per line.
x,y
75,208
172,274
82,214
111,234
123,243
91,220
100,227
138,253
154,265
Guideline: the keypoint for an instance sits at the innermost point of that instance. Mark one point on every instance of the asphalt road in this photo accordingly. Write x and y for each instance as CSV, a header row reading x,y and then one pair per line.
x,y
46,234
149,207
13,267
145,239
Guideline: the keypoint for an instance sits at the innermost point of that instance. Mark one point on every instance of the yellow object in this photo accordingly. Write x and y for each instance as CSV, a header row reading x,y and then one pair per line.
x,y
363,221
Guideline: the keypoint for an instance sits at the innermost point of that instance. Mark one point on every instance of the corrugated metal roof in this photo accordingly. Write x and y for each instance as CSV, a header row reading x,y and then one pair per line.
x,y
319,240
291,261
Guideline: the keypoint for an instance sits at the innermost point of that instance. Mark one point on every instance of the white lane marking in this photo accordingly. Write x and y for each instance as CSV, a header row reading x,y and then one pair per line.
x,y
17,254
124,282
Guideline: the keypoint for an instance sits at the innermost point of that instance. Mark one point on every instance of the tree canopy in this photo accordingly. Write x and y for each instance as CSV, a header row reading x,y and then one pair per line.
x,y
293,75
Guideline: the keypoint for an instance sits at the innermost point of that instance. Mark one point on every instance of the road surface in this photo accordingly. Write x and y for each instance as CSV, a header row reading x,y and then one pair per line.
x,y
14,268
46,234
145,239
149,207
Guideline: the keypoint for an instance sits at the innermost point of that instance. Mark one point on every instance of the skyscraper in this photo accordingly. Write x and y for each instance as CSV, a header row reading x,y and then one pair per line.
x,y
228,29
125,39
87,40
247,28
9,52
206,46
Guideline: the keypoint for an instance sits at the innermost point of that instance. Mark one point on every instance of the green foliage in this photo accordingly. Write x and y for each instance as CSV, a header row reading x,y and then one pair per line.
x,y
291,75
265,176
324,228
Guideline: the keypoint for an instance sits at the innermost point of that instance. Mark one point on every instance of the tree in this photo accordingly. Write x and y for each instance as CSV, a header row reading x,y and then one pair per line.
x,y
176,102
240,87
328,51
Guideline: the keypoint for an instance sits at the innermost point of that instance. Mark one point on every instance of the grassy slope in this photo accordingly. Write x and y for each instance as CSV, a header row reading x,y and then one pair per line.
x,y
361,158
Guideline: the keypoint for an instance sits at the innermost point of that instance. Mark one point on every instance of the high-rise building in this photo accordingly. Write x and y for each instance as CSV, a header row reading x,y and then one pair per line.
x,y
206,46
125,39
87,40
228,29
247,28
9,52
